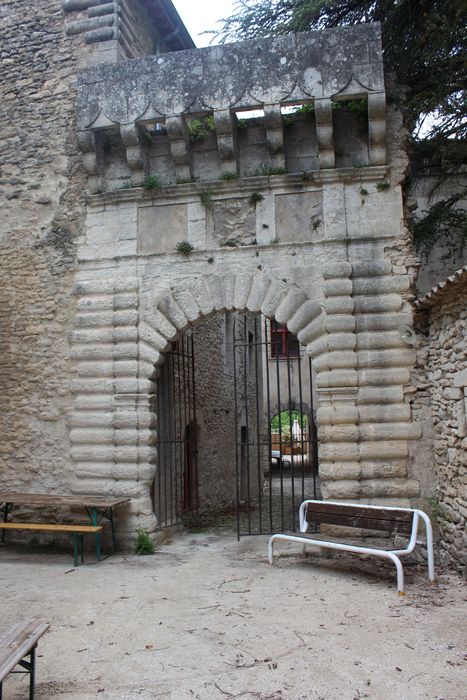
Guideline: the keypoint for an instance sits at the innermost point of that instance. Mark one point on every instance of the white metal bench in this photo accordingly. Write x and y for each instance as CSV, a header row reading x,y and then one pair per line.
x,y
402,521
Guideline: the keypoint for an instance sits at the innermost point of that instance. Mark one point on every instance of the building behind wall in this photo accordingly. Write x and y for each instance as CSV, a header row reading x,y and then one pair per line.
x,y
297,215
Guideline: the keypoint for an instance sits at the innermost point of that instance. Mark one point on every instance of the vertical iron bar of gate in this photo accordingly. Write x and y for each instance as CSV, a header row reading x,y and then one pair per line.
x,y
257,349
291,437
247,417
176,408
188,427
166,396
160,461
195,427
302,441
313,440
236,418
179,462
268,401
183,434
281,466
181,425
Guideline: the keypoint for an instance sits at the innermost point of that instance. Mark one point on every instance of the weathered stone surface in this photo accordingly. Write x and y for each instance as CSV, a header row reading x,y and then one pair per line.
x,y
232,222
161,228
441,380
299,217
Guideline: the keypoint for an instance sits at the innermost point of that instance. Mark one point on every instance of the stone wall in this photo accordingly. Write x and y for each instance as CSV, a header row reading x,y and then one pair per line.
x,y
324,250
42,218
443,316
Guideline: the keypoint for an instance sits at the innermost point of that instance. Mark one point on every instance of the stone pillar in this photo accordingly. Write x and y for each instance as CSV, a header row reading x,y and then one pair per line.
x,y
134,153
180,146
225,125
112,427
325,133
377,127
362,361
275,134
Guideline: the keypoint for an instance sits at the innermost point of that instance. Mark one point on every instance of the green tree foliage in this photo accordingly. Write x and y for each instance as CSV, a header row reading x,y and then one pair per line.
x,y
424,45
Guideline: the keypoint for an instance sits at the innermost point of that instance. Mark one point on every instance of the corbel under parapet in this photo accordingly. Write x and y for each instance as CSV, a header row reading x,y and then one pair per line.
x,y
179,146
224,122
325,133
275,134
377,127
88,147
134,153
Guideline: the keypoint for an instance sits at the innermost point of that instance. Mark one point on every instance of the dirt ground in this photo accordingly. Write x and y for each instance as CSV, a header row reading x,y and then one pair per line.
x,y
207,617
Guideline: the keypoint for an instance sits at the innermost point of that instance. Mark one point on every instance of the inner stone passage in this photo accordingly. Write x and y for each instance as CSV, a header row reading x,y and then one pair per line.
x,y
236,432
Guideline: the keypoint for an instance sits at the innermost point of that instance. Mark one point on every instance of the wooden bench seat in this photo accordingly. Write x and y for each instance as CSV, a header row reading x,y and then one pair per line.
x,y
401,521
16,644
77,531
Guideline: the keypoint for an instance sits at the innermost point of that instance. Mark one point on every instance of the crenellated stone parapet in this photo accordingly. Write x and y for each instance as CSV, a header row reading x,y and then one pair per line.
x,y
221,84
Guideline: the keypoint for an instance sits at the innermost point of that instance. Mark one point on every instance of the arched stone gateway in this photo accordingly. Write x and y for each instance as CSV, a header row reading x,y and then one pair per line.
x,y
352,333
196,206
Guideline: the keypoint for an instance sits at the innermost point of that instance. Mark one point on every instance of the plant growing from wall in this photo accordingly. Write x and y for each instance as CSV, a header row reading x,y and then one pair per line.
x,y
151,182
229,176
123,186
363,193
254,198
200,128
144,544
383,186
266,169
315,222
206,199
184,247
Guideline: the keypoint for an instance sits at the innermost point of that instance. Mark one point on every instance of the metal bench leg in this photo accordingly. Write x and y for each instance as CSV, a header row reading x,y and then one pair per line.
x,y
1,690
32,674
93,513
75,549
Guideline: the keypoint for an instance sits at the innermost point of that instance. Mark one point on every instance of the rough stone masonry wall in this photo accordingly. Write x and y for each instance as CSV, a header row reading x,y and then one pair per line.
x,y
447,379
42,203
41,186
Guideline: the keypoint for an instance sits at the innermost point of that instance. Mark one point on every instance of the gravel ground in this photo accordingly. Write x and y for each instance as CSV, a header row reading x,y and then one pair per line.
x,y
206,617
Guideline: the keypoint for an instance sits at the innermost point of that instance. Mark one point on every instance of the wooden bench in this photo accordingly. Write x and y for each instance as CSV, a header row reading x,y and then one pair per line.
x,y
15,645
403,521
77,532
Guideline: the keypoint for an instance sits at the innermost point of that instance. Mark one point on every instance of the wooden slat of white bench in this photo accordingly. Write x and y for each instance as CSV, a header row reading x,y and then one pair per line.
x,y
18,642
44,527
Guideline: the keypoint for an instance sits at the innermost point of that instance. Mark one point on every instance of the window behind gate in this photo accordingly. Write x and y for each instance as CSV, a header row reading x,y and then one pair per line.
x,y
283,343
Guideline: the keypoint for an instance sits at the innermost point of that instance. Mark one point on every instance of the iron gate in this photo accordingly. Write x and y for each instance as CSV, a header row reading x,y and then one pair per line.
x,y
276,440
175,488
268,381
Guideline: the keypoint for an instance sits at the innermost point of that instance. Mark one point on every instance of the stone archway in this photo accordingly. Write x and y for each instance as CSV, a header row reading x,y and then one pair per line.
x,y
352,335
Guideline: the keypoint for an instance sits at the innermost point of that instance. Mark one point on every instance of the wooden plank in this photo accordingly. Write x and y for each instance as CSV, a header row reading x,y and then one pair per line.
x,y
43,527
361,517
59,500
361,512
363,523
18,642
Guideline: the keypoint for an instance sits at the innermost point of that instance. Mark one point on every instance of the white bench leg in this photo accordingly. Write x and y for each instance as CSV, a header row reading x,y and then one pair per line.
x,y
400,572
270,550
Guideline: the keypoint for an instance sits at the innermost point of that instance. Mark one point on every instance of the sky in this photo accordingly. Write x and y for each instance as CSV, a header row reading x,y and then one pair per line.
x,y
199,16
